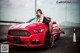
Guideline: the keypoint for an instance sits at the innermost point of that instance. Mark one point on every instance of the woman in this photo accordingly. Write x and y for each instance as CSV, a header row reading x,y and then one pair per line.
x,y
42,19
39,16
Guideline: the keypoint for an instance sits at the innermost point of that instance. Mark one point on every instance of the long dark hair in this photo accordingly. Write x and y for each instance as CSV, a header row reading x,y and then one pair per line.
x,y
39,10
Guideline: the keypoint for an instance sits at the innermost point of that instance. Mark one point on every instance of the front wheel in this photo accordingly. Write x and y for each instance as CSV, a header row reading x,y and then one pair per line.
x,y
47,40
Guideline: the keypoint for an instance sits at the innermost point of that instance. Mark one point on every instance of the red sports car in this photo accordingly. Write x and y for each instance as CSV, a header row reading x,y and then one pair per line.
x,y
31,34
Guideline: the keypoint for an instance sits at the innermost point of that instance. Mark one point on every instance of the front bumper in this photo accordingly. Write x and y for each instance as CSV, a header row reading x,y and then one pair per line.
x,y
25,45
33,41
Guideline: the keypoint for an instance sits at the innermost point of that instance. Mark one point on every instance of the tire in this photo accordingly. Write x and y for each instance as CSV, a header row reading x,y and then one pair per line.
x,y
47,40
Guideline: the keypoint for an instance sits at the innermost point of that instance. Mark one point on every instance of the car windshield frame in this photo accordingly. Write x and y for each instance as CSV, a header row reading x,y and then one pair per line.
x,y
32,20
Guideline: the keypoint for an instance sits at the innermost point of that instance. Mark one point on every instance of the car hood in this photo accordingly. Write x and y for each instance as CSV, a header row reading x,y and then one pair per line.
x,y
27,26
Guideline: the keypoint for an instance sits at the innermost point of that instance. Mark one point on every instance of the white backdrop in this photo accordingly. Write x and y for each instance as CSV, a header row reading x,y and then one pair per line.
x,y
23,10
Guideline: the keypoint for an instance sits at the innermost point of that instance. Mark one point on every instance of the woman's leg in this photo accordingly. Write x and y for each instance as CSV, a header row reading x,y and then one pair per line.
x,y
50,28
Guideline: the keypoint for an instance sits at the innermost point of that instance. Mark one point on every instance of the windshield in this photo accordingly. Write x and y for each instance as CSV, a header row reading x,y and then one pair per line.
x,y
32,20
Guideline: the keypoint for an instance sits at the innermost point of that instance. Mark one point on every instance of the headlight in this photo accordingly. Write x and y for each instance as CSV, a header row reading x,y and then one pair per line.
x,y
38,31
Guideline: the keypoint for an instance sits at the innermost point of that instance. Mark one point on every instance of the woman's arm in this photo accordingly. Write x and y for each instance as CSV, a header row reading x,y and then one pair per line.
x,y
41,19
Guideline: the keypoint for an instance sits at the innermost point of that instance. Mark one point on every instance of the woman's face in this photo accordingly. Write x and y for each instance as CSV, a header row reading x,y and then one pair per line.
x,y
38,13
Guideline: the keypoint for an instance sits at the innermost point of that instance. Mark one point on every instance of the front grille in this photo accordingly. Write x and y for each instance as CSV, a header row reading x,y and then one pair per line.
x,y
17,40
18,33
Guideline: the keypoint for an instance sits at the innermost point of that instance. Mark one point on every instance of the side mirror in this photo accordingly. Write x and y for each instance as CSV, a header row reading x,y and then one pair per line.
x,y
62,32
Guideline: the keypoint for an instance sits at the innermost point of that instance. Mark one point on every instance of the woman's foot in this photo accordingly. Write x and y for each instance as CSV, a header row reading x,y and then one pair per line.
x,y
52,42
52,46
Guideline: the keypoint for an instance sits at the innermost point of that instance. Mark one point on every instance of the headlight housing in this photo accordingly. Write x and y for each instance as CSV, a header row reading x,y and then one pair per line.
x,y
38,31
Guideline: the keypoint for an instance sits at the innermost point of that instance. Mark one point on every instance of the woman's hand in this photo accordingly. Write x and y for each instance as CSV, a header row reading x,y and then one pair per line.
x,y
36,22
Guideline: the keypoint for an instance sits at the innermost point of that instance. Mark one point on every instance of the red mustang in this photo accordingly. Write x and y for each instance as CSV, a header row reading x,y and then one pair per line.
x,y
31,34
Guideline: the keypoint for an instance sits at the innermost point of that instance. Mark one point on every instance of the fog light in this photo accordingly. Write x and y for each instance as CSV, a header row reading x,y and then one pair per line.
x,y
36,41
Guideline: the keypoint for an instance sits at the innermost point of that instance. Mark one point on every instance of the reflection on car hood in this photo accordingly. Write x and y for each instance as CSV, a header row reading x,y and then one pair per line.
x,y
27,25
